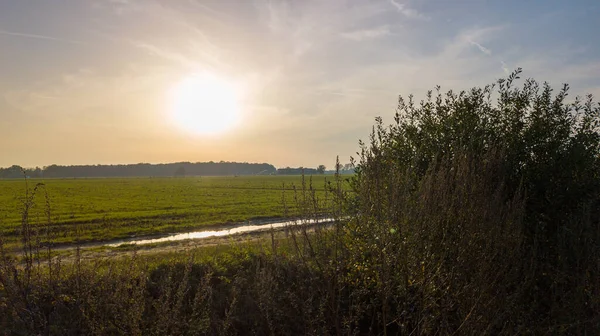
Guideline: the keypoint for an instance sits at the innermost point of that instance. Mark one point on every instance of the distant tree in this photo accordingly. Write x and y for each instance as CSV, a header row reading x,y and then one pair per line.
x,y
321,169
180,172
296,171
12,172
142,169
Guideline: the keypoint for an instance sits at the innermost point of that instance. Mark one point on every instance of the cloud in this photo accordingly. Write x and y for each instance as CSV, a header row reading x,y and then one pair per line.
x,y
472,38
41,96
171,31
165,53
408,12
78,90
367,34
119,7
481,48
40,37
278,14
193,54
504,67
300,32
488,52
450,66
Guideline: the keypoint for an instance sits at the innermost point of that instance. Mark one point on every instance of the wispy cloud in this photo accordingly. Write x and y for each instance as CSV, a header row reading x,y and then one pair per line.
x,y
79,90
504,67
307,28
367,34
481,48
196,54
488,52
278,16
119,7
187,44
40,37
164,53
42,96
406,11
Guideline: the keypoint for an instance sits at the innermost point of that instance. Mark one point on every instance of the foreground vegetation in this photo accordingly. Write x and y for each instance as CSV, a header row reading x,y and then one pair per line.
x,y
464,217
100,209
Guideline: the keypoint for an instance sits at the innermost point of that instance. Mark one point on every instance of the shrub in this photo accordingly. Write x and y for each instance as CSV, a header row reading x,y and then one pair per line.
x,y
483,175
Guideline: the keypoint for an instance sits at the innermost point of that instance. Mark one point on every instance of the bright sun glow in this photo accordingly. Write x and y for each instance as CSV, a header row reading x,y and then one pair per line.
x,y
204,104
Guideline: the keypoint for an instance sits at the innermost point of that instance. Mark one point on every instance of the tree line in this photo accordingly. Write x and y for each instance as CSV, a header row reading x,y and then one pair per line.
x,y
321,169
141,169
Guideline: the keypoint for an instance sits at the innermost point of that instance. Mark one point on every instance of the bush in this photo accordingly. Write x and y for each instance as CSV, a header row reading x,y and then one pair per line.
x,y
516,183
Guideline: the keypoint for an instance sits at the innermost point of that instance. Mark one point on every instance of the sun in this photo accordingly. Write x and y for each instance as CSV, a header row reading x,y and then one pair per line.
x,y
204,104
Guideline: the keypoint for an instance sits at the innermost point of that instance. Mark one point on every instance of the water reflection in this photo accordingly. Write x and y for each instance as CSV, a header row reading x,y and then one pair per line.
x,y
224,232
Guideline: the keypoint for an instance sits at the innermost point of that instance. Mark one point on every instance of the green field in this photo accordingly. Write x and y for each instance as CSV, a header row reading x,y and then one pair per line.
x,y
100,209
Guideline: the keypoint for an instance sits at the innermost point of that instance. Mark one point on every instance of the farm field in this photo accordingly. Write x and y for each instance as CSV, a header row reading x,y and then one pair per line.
x,y
110,208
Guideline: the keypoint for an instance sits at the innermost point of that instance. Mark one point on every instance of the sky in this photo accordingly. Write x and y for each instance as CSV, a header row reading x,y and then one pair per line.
x,y
88,81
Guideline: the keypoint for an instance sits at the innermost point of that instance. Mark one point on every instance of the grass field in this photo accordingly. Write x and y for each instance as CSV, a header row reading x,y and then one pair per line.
x,y
100,209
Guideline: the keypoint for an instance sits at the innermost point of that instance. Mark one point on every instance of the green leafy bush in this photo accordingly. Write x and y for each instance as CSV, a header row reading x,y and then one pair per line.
x,y
510,174
549,147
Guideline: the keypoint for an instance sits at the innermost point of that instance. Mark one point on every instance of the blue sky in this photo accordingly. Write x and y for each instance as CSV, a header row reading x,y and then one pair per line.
x,y
84,81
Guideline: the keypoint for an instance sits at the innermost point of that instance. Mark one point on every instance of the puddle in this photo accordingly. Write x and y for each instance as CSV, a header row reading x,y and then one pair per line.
x,y
242,228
